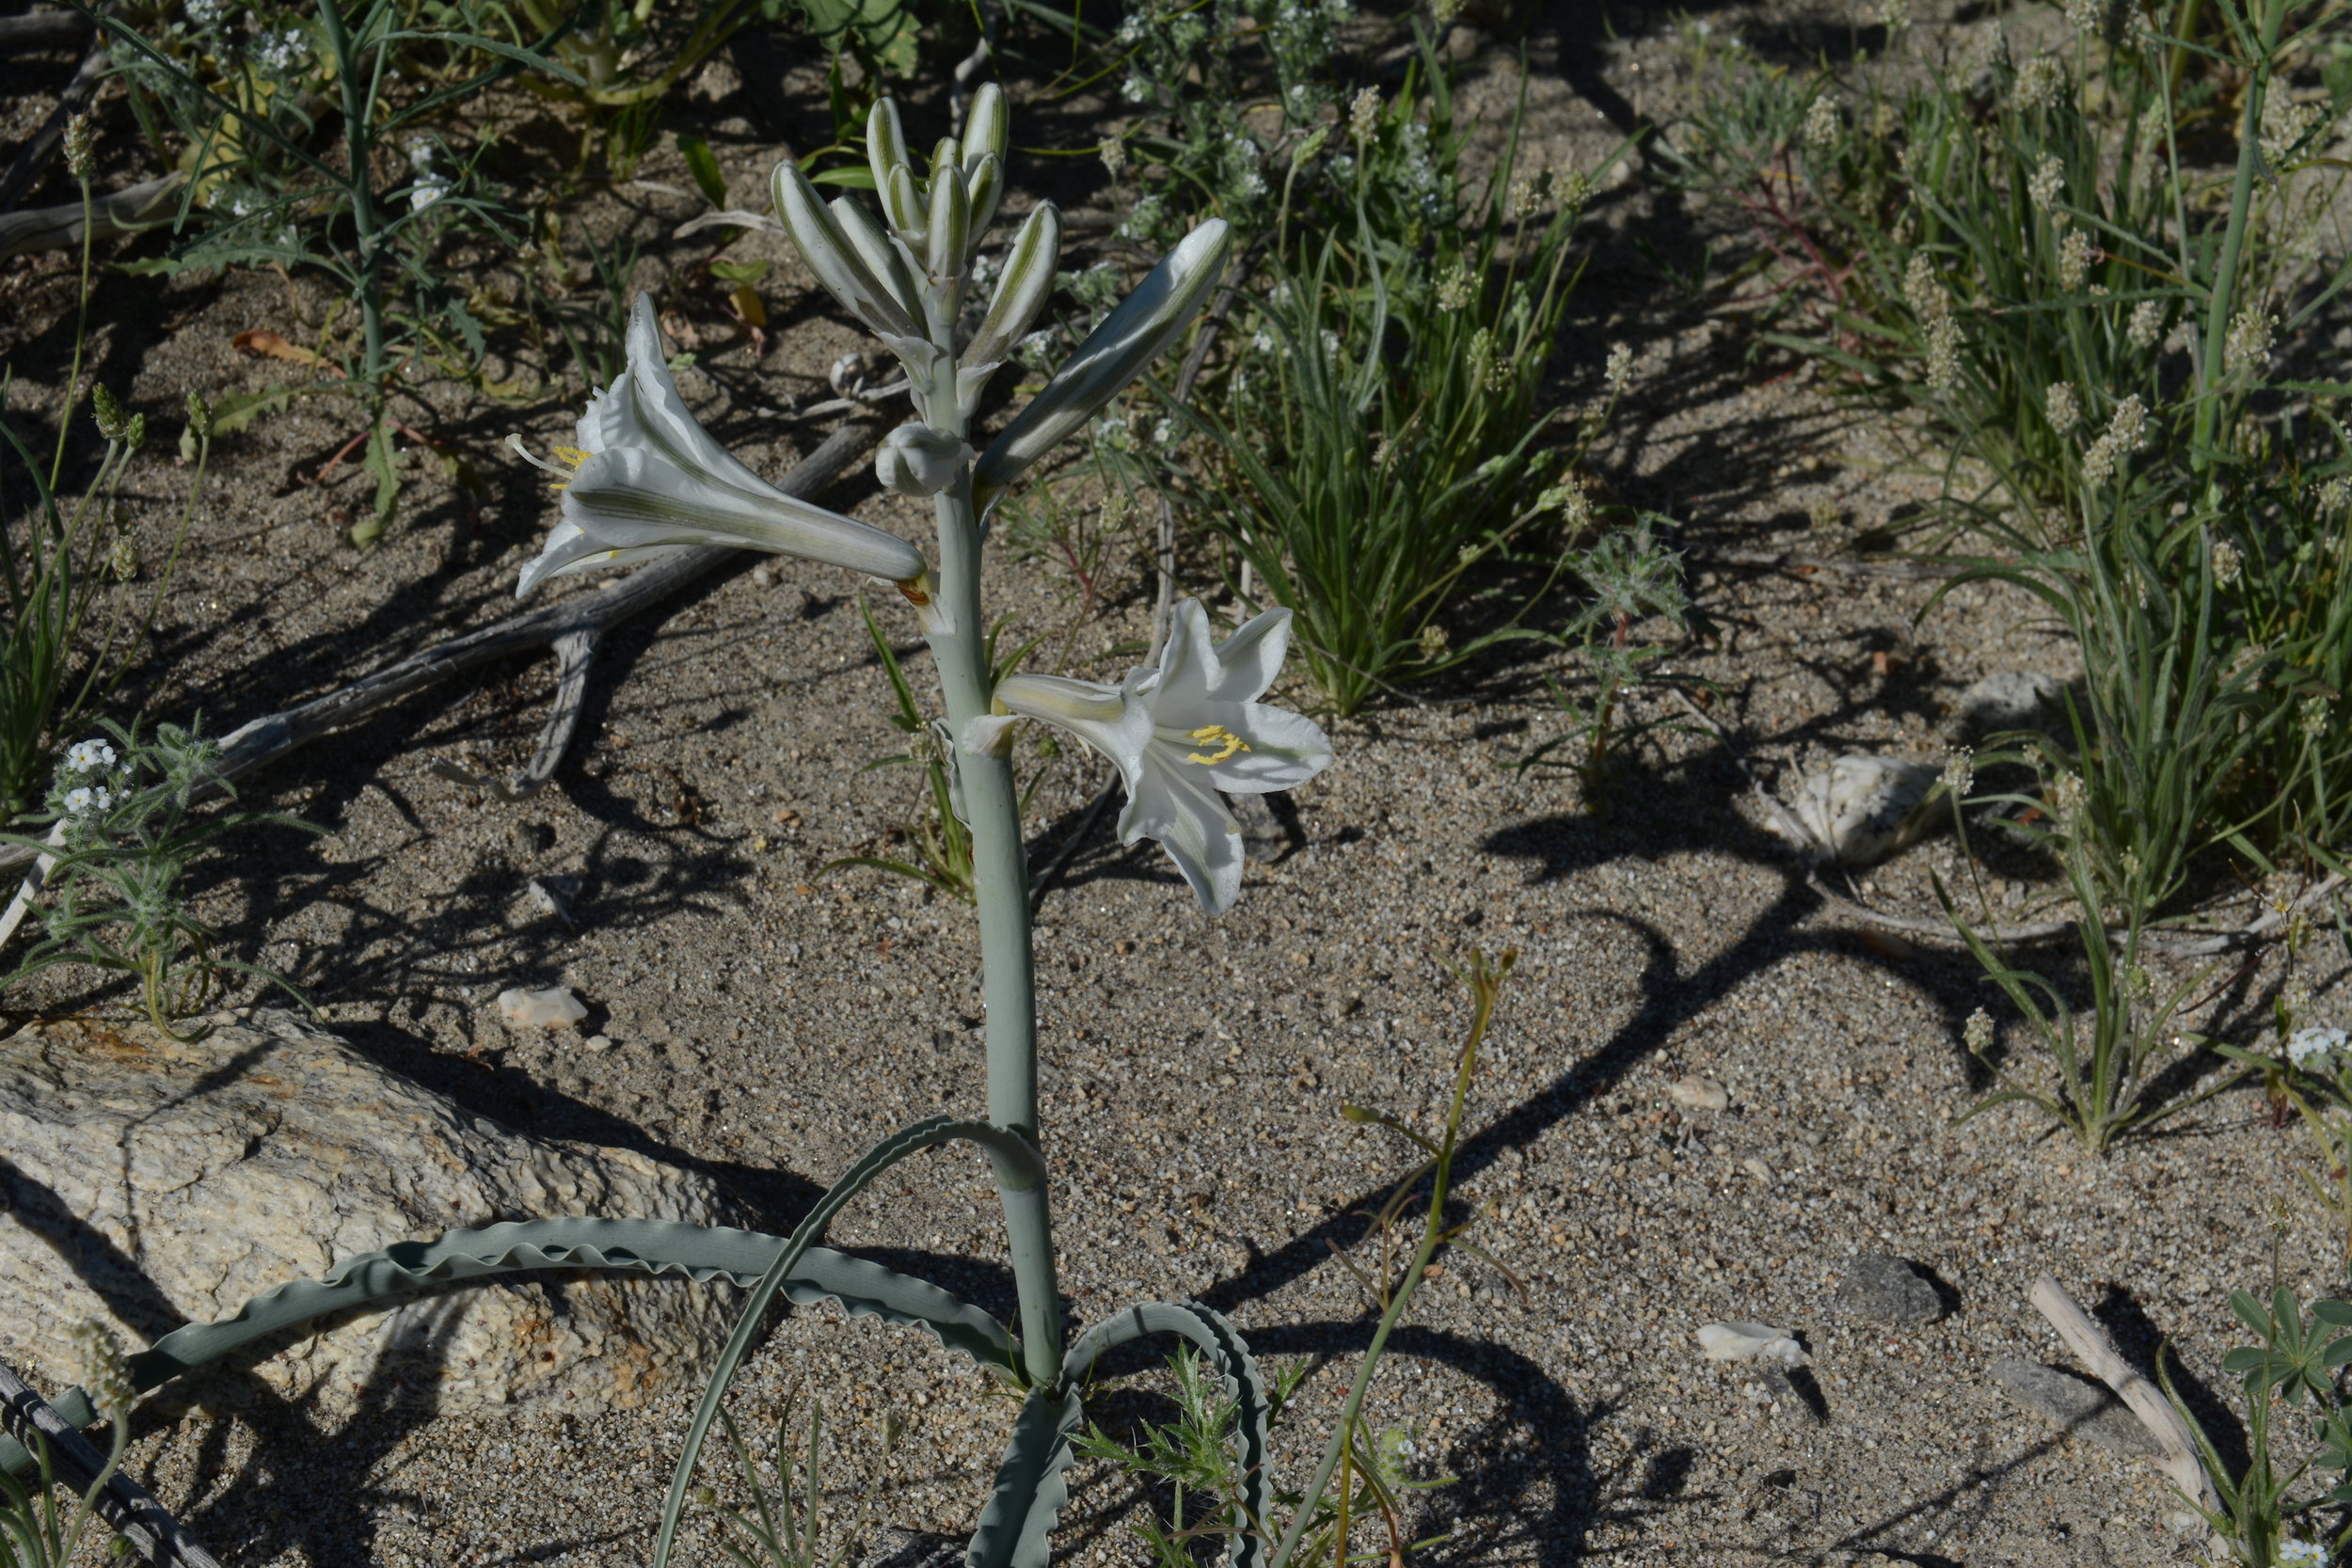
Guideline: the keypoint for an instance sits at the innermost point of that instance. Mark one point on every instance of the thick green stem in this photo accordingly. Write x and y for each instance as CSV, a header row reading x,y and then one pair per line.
x,y
2212,361
1000,888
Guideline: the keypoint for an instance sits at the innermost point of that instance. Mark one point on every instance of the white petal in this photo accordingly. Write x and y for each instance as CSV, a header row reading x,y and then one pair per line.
x,y
569,549
1187,664
635,497
1191,824
1248,661
1285,750
643,408
980,736
1060,700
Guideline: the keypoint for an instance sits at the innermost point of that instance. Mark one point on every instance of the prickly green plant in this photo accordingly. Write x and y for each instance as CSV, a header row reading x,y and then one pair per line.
x,y
125,826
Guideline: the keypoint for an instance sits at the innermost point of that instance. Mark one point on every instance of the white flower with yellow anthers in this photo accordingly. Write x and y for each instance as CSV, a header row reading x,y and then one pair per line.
x,y
646,478
1181,732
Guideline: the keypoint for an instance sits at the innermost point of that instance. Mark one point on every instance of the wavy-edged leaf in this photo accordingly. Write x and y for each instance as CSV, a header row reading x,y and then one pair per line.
x,y
1017,1526
1007,1150
1216,1337
657,1247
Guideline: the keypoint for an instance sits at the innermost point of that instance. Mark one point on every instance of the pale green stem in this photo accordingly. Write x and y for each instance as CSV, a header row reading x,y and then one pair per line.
x,y
356,131
2212,364
1000,889
81,336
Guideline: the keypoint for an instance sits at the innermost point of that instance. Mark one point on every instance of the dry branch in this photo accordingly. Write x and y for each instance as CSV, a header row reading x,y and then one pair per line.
x,y
59,228
2178,1456
128,1508
26,172
570,630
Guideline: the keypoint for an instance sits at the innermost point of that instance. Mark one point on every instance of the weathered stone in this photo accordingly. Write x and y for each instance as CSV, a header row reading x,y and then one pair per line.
x,y
2075,1403
1749,1341
1863,808
150,1182
893,1548
2008,700
1702,1094
551,1009
1888,1290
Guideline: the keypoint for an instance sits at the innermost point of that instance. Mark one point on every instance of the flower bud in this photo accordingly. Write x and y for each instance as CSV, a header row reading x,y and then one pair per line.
x,y
987,128
834,260
885,142
986,183
199,416
920,459
108,410
106,1375
950,226
903,205
884,259
1020,293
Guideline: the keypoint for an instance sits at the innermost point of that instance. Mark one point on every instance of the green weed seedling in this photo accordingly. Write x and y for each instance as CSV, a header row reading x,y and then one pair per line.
x,y
126,826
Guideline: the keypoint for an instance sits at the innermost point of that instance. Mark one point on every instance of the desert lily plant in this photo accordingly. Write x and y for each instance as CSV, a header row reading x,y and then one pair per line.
x,y
645,478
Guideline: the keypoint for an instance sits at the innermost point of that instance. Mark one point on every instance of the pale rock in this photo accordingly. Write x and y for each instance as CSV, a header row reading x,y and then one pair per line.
x,y
150,1182
2007,701
1703,1094
1862,809
1746,1342
1757,1168
551,1009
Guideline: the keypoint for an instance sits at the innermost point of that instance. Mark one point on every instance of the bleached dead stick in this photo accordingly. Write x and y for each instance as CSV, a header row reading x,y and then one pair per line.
x,y
59,228
2178,1456
570,630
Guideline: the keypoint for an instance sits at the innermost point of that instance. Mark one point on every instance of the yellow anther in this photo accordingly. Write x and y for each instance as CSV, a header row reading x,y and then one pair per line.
x,y
572,457
1218,735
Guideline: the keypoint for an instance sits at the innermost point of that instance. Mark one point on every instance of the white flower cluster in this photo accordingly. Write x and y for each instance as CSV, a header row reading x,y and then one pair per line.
x,y
2047,181
1822,122
2126,433
2227,561
2303,1554
2253,331
1618,371
2040,82
2074,260
2313,1049
2146,325
89,756
2065,408
2286,124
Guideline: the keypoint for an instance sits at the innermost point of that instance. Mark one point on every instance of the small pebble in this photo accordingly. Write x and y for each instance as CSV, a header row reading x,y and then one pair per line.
x,y
597,1042
552,1008
1749,1341
1757,1168
1703,1093
1888,1290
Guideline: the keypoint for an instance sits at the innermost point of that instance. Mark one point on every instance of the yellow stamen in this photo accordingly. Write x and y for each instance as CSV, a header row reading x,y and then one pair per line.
x,y
572,457
1218,735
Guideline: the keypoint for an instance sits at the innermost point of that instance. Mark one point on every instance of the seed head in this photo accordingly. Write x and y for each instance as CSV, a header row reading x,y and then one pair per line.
x,y
1822,122
106,1376
2074,260
104,407
1433,642
2065,409
1944,345
1114,155
1363,113
2252,334
1453,288
2227,561
81,148
1959,772
2047,183
1923,290
1618,372
1977,1034
2126,431
2313,716
2040,82
2146,325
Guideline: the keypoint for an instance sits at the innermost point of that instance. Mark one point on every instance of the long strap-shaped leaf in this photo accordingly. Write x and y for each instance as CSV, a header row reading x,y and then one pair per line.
x,y
700,1252
1017,1526
1018,1163
1229,1353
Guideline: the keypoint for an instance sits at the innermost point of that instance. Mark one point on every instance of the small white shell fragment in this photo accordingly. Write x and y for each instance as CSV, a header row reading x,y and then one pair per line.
x,y
1757,1168
597,1042
551,1009
1750,1342
1704,1094
1863,808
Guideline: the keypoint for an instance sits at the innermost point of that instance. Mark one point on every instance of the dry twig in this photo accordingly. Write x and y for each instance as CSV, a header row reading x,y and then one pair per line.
x,y
128,1508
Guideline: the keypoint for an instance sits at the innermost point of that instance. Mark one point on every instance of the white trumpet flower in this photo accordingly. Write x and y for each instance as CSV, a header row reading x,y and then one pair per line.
x,y
1180,732
646,478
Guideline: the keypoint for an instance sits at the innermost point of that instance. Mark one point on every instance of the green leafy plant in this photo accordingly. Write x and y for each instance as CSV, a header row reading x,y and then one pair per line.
x,y
2265,1516
126,828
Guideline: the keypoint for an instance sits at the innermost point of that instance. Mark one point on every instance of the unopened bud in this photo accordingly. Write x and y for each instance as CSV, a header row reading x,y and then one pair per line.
x,y
920,459
1363,113
108,410
199,416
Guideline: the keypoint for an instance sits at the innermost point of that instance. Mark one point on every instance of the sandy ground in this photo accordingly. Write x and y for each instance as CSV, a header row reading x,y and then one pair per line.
x,y
768,1023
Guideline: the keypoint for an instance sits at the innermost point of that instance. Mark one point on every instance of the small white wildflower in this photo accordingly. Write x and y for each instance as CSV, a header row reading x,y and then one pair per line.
x,y
2227,561
1923,290
2146,325
85,799
1453,288
1527,194
87,757
1114,155
424,193
1573,190
1959,772
1894,15
2040,82
1135,91
2085,16
2335,495
2312,717
1163,433
1363,113
2047,181
2251,333
2065,408
2074,260
1618,372
2068,796
1433,642
1822,123
2305,1048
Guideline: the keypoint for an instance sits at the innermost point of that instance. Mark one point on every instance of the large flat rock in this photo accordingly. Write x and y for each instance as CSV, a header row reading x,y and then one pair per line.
x,y
150,1182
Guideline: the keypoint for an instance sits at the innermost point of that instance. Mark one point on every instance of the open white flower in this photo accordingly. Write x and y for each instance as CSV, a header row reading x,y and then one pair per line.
x,y
1180,732
646,478
89,756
